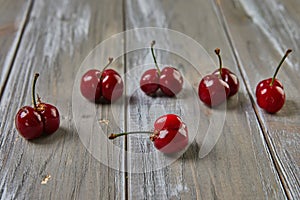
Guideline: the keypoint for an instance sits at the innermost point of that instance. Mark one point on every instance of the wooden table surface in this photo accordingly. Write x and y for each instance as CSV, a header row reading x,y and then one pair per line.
x,y
257,155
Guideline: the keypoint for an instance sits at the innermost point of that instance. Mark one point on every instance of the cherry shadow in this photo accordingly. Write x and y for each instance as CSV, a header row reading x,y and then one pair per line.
x,y
192,152
235,101
134,97
51,139
231,103
290,108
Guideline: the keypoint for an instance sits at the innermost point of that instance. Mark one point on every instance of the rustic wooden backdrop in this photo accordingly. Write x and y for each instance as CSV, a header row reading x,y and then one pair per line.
x,y
257,155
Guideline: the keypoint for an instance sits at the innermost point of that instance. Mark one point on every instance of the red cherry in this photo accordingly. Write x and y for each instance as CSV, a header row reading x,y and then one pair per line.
x,y
32,122
50,117
165,121
149,82
29,123
213,91
262,84
107,84
271,98
112,85
169,80
90,85
229,77
270,95
170,134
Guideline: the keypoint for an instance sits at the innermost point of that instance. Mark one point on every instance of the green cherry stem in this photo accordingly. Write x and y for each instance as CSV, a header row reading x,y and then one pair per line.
x,y
217,51
154,58
115,135
36,76
278,67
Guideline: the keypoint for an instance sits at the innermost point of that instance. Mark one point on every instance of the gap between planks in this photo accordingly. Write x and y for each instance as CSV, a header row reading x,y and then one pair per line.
x,y
126,195
269,144
15,48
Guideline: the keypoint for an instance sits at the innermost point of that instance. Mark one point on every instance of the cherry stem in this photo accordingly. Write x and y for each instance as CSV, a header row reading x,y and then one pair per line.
x,y
154,58
110,59
36,75
278,67
217,51
115,135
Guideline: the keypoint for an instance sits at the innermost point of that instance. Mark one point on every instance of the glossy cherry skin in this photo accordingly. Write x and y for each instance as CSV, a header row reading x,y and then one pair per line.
x,y
262,84
149,82
270,98
111,85
230,78
170,81
90,85
213,91
171,134
50,117
29,123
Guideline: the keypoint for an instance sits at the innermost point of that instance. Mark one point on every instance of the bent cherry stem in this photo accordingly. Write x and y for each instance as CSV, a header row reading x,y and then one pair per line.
x,y
280,63
217,51
154,58
110,59
115,135
36,76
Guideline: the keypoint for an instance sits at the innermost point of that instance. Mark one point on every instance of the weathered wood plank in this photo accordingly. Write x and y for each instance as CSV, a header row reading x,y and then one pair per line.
x,y
12,22
58,36
261,32
240,166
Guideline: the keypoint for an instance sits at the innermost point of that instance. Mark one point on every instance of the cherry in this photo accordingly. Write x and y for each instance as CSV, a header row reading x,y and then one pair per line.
x,y
212,90
90,85
270,95
29,123
170,134
32,122
107,84
50,117
229,77
149,82
262,84
169,79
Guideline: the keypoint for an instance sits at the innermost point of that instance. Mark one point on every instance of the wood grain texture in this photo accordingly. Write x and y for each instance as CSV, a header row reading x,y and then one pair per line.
x,y
14,15
257,155
240,166
57,38
261,32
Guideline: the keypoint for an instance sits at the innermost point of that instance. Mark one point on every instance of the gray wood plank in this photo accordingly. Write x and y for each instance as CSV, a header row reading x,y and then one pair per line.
x,y
58,36
261,32
12,22
240,165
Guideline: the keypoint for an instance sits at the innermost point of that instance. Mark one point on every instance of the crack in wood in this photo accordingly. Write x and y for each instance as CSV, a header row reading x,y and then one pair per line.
x,y
275,159
15,48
